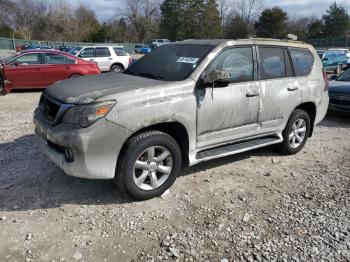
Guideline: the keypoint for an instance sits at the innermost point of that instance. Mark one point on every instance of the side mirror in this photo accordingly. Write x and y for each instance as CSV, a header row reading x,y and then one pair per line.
x,y
14,64
333,77
217,78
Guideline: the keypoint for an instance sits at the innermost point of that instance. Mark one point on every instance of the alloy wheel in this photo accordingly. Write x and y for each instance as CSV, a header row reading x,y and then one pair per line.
x,y
152,168
298,133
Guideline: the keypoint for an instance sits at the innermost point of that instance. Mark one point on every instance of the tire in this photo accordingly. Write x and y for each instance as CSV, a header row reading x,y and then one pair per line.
x,y
116,69
146,172
75,75
2,87
288,147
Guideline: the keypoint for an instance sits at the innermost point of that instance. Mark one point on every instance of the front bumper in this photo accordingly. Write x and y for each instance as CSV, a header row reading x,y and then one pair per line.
x,y
95,149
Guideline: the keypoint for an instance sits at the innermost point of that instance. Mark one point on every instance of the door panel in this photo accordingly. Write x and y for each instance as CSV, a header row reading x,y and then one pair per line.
x,y
280,91
57,67
228,113
25,71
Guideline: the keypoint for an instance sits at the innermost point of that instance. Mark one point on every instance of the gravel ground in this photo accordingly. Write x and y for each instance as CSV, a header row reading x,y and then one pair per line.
x,y
257,206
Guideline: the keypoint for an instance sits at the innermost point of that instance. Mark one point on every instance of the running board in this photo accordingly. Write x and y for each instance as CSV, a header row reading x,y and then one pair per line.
x,y
237,148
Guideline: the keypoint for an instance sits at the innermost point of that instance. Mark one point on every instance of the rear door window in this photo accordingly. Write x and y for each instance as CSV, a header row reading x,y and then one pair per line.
x,y
56,59
272,63
102,52
302,60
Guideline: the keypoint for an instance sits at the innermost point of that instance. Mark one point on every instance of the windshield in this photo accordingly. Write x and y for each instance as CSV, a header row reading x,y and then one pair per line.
x,y
75,50
170,63
344,76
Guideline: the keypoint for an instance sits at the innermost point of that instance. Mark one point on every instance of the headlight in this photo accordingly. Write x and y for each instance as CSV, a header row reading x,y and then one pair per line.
x,y
86,115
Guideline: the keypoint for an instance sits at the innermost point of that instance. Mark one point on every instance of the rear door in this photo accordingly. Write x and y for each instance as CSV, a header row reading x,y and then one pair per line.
x,y
57,67
103,57
25,71
280,90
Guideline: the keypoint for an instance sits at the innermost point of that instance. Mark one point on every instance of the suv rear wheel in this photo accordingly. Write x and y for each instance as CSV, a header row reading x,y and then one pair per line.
x,y
296,132
149,165
116,69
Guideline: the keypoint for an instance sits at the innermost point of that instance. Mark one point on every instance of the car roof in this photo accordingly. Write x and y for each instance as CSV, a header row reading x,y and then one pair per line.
x,y
45,51
230,42
93,46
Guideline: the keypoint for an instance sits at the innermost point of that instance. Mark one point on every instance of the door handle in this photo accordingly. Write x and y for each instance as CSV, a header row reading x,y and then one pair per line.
x,y
91,59
253,94
110,58
294,88
69,67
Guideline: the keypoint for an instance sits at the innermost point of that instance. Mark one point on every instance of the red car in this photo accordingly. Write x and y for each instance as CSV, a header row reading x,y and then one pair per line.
x,y
41,68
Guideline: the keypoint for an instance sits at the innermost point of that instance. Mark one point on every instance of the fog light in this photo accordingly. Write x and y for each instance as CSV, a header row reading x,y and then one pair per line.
x,y
68,154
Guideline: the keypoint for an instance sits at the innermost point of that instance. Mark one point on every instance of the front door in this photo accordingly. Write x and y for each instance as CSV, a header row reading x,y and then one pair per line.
x,y
225,114
25,71
103,58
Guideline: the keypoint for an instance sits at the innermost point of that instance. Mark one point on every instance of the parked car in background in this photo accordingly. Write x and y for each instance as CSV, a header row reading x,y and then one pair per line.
x,y
160,42
21,47
184,103
66,49
339,92
342,51
334,61
41,68
108,58
143,49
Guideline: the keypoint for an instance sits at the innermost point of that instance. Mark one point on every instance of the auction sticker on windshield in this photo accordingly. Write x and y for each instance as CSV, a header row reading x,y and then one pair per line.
x,y
188,60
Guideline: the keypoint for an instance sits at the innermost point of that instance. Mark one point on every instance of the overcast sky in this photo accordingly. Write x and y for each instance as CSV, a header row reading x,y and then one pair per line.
x,y
106,8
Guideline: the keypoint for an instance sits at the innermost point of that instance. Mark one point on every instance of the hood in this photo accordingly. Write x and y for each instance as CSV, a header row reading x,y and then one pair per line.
x,y
84,90
341,87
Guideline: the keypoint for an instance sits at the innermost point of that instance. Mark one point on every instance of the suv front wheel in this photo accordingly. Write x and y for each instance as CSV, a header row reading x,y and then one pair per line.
x,y
149,165
296,132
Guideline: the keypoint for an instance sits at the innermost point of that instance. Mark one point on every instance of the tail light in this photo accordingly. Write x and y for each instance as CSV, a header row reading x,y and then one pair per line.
x,y
326,82
130,60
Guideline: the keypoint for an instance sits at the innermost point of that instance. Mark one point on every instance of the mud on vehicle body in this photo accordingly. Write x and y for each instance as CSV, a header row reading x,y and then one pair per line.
x,y
183,104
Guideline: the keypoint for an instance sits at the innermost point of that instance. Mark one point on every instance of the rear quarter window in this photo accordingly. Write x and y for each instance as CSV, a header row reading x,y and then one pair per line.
x,y
302,60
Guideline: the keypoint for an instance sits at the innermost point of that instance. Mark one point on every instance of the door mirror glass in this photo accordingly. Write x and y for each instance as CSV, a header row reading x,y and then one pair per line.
x,y
15,64
217,78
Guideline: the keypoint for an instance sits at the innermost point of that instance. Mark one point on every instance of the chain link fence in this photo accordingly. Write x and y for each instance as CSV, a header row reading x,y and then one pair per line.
x,y
10,44
340,42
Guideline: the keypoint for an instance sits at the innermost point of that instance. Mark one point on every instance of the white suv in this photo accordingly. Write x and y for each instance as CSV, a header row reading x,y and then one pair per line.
x,y
108,58
160,42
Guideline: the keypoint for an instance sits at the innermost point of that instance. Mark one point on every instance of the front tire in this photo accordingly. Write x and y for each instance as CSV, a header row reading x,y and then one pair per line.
x,y
149,165
296,132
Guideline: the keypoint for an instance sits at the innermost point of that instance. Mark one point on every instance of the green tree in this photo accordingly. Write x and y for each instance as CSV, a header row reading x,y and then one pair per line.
x,y
211,21
315,29
272,23
5,30
181,19
336,22
236,27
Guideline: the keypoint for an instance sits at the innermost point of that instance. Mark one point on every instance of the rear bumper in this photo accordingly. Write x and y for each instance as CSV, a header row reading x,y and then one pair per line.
x,y
322,108
95,149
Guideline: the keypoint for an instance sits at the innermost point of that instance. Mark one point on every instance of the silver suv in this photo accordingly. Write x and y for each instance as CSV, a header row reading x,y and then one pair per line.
x,y
108,58
184,103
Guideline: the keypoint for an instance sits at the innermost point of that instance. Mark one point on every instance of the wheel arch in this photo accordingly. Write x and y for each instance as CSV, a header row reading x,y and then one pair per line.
x,y
174,129
118,64
310,108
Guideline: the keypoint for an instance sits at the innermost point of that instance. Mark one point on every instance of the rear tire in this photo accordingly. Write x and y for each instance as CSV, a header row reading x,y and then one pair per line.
x,y
149,165
116,69
296,132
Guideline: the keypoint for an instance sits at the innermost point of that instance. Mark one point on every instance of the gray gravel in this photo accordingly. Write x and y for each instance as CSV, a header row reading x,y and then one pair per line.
x,y
257,206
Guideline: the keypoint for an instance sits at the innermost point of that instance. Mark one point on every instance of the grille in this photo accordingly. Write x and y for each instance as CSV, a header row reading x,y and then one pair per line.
x,y
49,108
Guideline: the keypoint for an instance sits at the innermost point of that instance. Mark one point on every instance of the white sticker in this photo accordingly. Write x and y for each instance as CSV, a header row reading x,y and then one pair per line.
x,y
188,60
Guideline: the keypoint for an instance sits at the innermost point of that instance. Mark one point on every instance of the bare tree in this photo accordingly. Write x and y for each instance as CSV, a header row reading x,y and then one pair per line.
x,y
249,10
144,17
